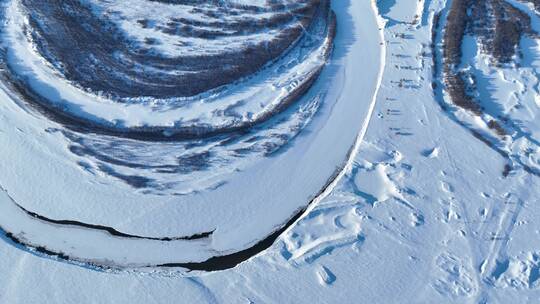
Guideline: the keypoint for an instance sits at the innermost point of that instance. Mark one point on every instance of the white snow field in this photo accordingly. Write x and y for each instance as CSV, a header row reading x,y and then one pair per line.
x,y
404,197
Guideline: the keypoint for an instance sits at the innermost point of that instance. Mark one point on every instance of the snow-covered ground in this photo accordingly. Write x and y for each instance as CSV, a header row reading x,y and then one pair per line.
x,y
421,213
246,204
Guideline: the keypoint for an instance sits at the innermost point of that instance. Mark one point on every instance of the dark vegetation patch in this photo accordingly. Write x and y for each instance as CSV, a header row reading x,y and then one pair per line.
x,y
498,28
434,30
507,169
456,25
95,65
92,52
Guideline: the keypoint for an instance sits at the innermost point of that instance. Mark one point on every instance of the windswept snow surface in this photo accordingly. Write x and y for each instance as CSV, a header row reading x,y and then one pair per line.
x,y
425,211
